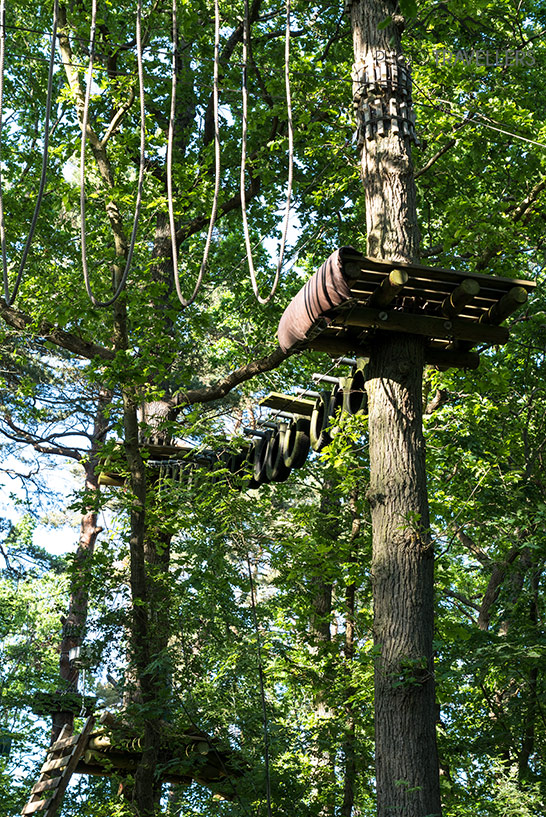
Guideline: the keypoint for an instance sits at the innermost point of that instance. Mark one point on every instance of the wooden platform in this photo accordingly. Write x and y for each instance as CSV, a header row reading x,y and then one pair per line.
x,y
455,311
113,749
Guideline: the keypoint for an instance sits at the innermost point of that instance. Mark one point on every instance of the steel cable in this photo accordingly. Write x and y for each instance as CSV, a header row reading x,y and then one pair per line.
x,y
121,285
187,301
246,43
10,297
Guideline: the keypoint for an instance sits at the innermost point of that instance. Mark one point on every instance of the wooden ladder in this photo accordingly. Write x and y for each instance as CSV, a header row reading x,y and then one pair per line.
x,y
61,761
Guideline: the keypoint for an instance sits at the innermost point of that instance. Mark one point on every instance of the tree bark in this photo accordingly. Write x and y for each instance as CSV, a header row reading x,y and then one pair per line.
x,y
407,774
349,748
75,621
320,633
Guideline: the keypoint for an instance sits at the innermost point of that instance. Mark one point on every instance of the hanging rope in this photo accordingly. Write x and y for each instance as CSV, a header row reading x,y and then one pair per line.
x,y
187,301
10,297
246,43
85,117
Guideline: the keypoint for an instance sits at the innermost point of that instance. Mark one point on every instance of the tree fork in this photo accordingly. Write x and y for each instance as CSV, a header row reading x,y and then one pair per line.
x,y
407,773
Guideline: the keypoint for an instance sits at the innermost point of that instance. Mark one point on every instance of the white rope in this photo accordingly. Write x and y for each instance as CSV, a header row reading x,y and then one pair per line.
x,y
187,301
10,297
121,285
246,41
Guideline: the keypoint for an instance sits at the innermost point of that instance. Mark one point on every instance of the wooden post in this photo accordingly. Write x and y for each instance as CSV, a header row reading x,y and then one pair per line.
x,y
460,297
513,299
389,288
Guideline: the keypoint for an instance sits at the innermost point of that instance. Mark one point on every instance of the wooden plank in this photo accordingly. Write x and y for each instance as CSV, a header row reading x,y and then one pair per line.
x,y
45,785
37,805
65,743
431,290
288,402
168,451
421,324
93,771
111,480
56,763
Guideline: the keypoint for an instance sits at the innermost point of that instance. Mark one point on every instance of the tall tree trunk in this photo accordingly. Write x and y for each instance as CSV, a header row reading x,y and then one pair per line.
x,y
407,775
76,618
321,637
349,749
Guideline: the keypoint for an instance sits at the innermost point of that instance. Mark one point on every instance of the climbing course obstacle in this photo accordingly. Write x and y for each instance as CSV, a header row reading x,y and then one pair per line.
x,y
344,308
112,748
351,298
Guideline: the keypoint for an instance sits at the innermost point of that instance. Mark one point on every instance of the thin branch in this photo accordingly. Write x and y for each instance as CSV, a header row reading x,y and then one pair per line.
x,y
116,119
232,204
448,145
21,436
451,594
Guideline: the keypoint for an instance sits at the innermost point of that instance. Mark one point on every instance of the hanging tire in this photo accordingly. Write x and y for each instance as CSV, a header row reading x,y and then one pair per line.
x,y
247,467
355,399
276,469
238,461
320,422
259,471
296,443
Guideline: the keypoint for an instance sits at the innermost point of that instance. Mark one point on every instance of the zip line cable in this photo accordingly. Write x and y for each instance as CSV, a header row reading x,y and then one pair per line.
x,y
10,297
187,301
246,46
121,285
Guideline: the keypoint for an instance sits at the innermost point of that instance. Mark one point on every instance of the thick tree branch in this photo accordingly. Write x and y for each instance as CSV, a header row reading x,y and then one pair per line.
x,y
117,118
47,331
451,594
219,390
521,211
493,588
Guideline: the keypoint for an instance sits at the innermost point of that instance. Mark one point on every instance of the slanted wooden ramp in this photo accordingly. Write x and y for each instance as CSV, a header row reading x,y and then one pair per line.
x,y
62,758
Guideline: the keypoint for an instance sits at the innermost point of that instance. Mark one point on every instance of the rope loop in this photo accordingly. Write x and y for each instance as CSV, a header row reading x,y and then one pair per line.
x,y
187,301
85,118
246,45
9,297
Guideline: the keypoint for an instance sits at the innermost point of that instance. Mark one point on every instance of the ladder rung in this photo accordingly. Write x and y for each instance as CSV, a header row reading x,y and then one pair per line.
x,y
58,763
38,805
65,743
45,785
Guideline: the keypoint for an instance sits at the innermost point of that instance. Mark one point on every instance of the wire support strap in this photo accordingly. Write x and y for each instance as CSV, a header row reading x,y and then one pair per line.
x,y
84,125
9,297
246,48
